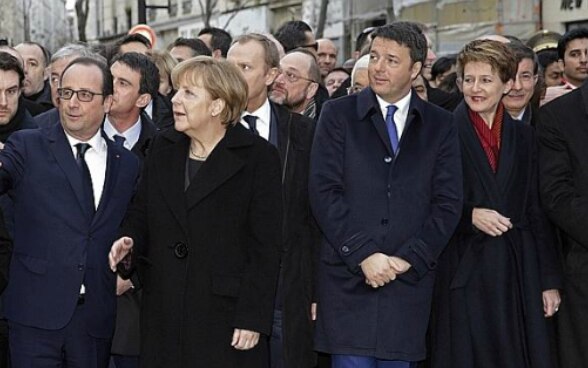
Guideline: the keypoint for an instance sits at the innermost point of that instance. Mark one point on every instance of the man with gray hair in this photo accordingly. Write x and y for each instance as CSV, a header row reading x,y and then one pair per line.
x,y
59,61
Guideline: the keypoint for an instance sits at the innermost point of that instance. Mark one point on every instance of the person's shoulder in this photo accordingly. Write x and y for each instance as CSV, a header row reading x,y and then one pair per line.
x,y
565,100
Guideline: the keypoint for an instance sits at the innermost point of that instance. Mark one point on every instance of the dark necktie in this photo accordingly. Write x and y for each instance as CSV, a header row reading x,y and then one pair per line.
x,y
251,120
119,140
82,148
391,126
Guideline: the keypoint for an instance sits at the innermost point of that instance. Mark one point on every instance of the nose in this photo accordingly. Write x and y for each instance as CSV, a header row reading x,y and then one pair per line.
x,y
584,57
3,99
476,85
517,85
176,97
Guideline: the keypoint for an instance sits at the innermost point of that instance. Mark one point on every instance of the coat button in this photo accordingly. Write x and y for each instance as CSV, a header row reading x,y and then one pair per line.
x,y
384,221
387,159
345,249
180,250
80,267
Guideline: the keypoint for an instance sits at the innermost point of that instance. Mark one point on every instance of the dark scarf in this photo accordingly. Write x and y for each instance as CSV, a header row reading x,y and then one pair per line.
x,y
489,137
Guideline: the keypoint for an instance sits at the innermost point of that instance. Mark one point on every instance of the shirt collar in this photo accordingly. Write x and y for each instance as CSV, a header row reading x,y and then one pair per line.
x,y
263,113
402,105
96,142
131,135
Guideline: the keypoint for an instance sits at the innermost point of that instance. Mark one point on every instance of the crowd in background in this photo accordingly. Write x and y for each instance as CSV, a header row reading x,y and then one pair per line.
x,y
247,201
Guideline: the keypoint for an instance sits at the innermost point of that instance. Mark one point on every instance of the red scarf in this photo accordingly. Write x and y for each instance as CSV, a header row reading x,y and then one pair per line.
x,y
489,137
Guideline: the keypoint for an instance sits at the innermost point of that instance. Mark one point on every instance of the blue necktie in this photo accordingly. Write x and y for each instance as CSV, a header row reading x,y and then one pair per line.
x,y
252,121
119,140
391,126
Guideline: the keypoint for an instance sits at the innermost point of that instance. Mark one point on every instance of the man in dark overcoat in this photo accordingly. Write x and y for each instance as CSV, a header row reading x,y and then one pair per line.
x,y
563,175
386,190
291,339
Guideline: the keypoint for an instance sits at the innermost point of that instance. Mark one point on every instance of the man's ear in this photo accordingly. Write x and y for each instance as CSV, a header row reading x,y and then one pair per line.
x,y
107,104
217,54
271,76
415,70
311,90
143,100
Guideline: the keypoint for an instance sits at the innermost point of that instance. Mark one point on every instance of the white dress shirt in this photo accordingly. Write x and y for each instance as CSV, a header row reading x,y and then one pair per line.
x,y
95,159
264,115
401,113
131,135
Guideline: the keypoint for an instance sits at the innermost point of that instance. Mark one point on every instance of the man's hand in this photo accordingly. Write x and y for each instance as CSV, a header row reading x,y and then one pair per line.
x,y
377,270
399,265
551,302
244,339
122,286
490,222
119,250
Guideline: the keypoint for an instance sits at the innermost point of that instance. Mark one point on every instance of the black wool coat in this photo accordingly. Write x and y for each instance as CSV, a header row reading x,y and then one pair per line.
x,y
488,308
301,239
563,166
208,256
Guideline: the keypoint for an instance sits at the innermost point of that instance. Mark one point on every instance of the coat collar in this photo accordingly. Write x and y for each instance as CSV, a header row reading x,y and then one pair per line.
x,y
222,163
493,183
368,108
61,149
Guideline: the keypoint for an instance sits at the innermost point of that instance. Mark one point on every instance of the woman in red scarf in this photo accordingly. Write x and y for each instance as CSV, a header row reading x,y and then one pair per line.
x,y
498,279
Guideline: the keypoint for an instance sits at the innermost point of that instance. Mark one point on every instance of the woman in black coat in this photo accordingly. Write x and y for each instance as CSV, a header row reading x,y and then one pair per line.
x,y
206,228
499,277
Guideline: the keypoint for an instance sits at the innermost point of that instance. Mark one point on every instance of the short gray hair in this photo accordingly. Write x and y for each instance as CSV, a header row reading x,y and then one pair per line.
x,y
70,50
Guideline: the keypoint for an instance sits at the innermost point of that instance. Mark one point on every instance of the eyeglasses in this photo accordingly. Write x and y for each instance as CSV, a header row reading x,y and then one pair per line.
x,y
83,94
293,78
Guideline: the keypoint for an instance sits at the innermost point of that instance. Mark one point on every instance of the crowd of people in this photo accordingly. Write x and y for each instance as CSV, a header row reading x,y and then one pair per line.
x,y
249,201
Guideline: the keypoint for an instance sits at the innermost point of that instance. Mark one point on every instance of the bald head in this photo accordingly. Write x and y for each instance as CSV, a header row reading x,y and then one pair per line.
x,y
327,56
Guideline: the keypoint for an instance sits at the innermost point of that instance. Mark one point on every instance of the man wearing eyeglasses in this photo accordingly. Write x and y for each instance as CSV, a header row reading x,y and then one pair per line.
x,y
517,101
71,187
297,84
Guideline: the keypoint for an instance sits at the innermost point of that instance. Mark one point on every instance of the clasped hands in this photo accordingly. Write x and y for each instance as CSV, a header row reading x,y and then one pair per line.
x,y
379,269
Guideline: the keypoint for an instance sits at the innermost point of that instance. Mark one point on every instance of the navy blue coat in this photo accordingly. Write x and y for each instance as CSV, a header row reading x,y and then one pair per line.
x,y
57,243
366,201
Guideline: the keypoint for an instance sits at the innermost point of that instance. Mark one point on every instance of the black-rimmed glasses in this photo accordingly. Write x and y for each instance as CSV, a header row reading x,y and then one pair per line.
x,y
83,94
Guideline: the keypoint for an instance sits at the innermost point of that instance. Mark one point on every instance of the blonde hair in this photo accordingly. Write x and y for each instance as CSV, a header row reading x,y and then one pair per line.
x,y
164,61
220,78
496,54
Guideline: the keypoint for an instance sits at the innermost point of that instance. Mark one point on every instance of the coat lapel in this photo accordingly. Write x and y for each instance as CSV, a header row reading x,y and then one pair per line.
x,y
473,148
171,173
61,149
220,166
367,106
507,161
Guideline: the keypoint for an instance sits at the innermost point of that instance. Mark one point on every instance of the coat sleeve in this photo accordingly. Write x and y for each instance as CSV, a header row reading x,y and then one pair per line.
x,y
424,248
12,161
327,188
566,206
549,260
255,305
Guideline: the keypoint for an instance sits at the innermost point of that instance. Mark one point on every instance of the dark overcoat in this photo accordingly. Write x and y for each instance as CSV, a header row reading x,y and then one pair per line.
x,y
488,308
301,239
563,166
365,200
208,255
127,329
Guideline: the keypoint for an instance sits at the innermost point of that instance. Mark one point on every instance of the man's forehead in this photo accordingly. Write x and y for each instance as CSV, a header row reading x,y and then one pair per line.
x,y
83,74
32,51
6,75
295,60
577,44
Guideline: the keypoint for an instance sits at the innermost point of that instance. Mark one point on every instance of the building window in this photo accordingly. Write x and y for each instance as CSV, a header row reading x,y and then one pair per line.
x,y
187,6
173,8
129,15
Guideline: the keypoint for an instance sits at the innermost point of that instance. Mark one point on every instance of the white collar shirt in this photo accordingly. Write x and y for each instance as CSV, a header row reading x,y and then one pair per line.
x,y
401,113
131,135
263,115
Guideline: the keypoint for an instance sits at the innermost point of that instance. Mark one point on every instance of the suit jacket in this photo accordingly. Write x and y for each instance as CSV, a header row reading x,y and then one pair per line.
x,y
208,255
301,238
562,132
47,118
127,332
58,245
368,200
